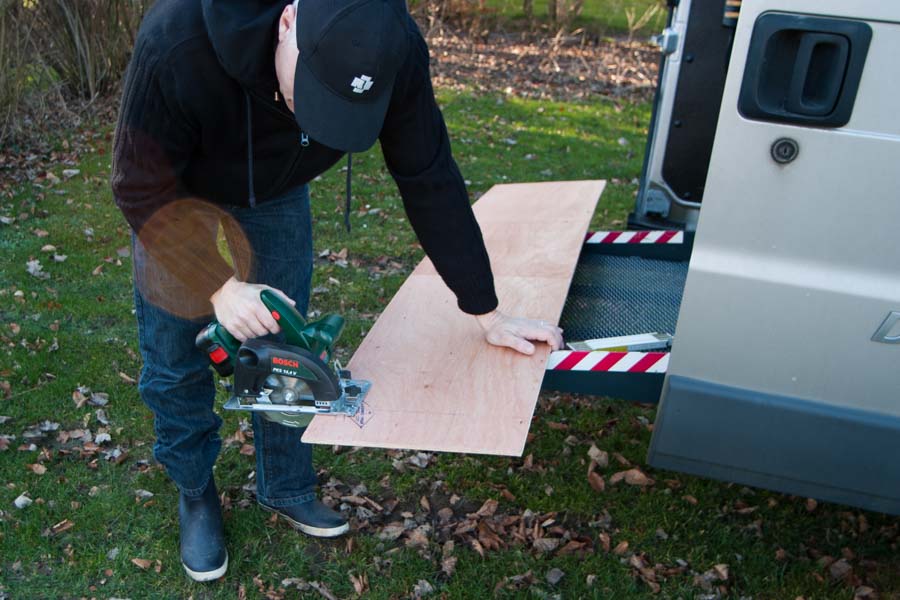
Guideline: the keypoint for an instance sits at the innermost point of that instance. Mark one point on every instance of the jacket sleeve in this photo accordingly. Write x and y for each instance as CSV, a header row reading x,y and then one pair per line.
x,y
154,140
416,150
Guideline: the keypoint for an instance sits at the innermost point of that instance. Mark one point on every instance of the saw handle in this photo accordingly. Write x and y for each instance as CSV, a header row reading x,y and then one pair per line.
x,y
287,317
318,337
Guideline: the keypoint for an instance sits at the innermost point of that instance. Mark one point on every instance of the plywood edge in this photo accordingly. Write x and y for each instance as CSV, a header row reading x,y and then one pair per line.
x,y
335,437
519,187
518,202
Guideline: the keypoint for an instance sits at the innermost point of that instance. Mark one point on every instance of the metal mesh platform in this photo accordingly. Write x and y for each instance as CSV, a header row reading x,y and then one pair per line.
x,y
623,295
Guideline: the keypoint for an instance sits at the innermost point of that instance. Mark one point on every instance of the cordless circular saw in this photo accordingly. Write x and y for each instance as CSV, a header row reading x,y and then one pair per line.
x,y
290,382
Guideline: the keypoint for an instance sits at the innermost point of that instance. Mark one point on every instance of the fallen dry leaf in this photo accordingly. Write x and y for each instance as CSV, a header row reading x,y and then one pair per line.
x,y
323,590
391,532
418,537
62,526
142,563
596,482
422,588
600,457
840,569
621,459
99,398
555,575
545,545
448,565
488,538
572,547
631,477
445,514
248,450
621,548
637,477
360,583
79,398
34,268
487,509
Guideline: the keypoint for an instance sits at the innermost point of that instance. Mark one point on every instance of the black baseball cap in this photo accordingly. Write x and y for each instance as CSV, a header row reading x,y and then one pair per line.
x,y
350,54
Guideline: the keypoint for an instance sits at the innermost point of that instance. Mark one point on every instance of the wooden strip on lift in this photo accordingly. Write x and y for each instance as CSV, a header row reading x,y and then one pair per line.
x,y
436,384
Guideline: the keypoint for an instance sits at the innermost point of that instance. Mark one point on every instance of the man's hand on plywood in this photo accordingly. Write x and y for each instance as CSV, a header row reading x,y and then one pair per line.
x,y
518,333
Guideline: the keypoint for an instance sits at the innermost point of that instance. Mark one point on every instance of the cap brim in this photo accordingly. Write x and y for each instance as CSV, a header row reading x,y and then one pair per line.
x,y
332,120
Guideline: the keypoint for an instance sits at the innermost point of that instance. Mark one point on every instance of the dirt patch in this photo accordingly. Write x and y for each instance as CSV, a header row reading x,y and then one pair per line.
x,y
532,66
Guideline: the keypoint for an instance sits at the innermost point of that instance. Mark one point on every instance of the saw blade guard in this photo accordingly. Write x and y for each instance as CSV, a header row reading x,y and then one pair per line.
x,y
290,385
272,375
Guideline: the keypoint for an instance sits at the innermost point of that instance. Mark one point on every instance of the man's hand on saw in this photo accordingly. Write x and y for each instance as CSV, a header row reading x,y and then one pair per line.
x,y
514,332
239,309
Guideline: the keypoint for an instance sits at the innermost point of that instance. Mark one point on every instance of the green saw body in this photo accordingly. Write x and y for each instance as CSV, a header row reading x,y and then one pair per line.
x,y
291,382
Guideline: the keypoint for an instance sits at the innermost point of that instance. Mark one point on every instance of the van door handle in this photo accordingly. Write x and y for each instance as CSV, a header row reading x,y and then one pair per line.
x,y
803,70
819,69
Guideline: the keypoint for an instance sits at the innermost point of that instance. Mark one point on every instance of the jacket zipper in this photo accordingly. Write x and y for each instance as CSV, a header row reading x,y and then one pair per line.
x,y
304,137
267,102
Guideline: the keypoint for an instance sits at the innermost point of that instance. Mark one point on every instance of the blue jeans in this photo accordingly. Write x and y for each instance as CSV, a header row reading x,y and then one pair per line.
x,y
177,382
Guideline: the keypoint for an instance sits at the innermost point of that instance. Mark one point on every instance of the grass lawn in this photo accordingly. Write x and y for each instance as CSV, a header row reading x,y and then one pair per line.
x,y
95,530
602,17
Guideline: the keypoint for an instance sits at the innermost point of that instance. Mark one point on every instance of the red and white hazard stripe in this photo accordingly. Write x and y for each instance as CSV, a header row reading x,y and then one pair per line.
x,y
612,362
670,236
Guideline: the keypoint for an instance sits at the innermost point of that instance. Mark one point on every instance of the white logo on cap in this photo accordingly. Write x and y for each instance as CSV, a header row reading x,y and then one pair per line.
x,y
361,84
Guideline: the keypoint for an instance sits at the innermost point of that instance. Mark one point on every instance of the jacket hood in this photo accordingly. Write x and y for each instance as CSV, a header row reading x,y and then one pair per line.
x,y
243,34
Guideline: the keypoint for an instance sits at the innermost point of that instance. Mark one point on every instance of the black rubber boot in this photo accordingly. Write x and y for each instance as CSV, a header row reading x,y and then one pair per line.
x,y
312,518
203,553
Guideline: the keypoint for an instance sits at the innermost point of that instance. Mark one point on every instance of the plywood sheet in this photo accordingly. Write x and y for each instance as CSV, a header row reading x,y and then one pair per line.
x,y
523,248
436,384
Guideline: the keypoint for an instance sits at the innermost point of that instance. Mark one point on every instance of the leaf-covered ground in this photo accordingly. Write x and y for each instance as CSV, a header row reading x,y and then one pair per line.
x,y
85,512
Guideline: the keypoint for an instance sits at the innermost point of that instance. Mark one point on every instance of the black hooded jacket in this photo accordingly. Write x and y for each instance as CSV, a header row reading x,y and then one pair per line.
x,y
200,113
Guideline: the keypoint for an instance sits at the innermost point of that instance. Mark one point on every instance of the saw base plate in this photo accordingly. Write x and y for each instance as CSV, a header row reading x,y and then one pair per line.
x,y
351,403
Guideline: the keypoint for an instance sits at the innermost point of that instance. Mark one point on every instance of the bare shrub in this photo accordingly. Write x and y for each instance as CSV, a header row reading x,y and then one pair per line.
x,y
87,42
473,17
58,56
13,47
637,22
29,92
